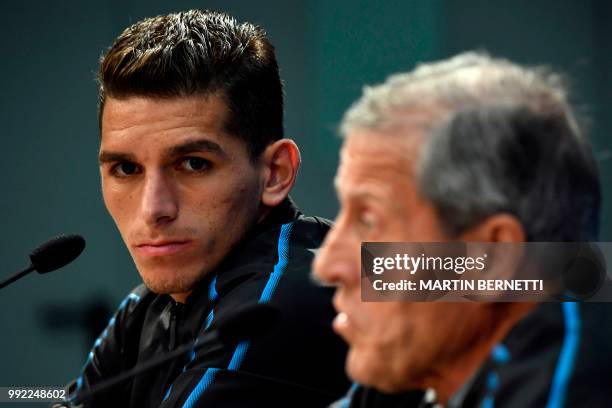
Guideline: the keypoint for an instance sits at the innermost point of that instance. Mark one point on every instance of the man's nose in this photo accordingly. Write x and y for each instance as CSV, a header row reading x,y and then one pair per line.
x,y
337,261
159,201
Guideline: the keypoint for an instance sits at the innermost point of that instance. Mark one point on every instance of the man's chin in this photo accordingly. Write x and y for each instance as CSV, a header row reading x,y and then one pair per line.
x,y
361,368
373,371
169,284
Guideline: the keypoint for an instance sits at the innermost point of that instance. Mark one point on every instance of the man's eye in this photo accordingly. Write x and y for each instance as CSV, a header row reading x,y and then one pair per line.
x,y
367,220
124,169
194,164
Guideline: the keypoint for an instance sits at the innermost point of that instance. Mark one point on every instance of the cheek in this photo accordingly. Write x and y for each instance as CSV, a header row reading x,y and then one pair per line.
x,y
242,197
227,204
122,207
117,203
226,211
396,322
431,323
442,331
382,353
386,327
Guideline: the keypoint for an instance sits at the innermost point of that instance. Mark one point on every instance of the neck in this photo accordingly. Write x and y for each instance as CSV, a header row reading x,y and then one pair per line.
x,y
448,380
180,297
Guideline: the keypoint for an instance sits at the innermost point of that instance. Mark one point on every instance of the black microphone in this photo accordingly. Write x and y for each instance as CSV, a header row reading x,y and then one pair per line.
x,y
51,255
245,324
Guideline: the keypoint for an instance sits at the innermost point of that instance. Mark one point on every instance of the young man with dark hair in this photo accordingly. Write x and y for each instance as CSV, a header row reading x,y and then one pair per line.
x,y
196,175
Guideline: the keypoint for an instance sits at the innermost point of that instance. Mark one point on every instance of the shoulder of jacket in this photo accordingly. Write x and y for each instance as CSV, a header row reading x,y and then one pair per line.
x,y
311,229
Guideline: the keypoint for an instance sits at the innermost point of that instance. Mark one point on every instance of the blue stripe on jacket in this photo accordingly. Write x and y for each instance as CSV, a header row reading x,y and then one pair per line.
x,y
567,357
242,347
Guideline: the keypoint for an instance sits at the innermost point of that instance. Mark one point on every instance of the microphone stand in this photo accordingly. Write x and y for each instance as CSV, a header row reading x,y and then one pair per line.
x,y
17,276
147,365
230,331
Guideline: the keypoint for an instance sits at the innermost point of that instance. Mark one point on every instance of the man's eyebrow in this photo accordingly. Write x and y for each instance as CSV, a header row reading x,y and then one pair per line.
x,y
357,193
110,157
201,145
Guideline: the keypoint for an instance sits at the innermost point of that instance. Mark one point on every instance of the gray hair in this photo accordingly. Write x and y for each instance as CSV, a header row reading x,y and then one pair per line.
x,y
503,138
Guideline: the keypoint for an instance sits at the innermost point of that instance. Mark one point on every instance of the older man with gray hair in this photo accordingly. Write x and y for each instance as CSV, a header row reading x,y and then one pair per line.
x,y
470,149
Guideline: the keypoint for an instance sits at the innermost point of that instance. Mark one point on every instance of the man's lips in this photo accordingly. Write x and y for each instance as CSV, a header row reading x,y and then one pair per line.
x,y
161,248
342,322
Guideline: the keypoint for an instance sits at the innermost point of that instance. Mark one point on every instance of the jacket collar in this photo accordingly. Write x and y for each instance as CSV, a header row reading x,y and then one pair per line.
x,y
285,212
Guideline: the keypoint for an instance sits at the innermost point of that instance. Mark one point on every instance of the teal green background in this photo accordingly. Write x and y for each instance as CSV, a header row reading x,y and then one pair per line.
x,y
327,50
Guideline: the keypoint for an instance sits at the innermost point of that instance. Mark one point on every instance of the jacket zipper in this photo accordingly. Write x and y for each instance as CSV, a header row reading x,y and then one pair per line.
x,y
175,312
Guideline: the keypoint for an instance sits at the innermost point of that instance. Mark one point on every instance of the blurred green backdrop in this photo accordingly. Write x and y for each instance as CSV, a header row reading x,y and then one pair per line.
x,y
327,50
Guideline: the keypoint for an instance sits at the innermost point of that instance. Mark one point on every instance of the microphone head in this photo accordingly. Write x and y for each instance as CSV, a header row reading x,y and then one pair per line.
x,y
248,323
57,252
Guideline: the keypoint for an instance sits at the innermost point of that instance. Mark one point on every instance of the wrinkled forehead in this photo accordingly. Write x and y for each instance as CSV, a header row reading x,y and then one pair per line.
x,y
378,162
395,144
394,148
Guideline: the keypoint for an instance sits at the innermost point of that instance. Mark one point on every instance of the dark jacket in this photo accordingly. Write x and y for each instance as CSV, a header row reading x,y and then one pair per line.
x,y
299,363
557,356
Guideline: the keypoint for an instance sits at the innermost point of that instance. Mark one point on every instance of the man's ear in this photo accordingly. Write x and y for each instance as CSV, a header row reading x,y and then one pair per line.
x,y
281,161
496,228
